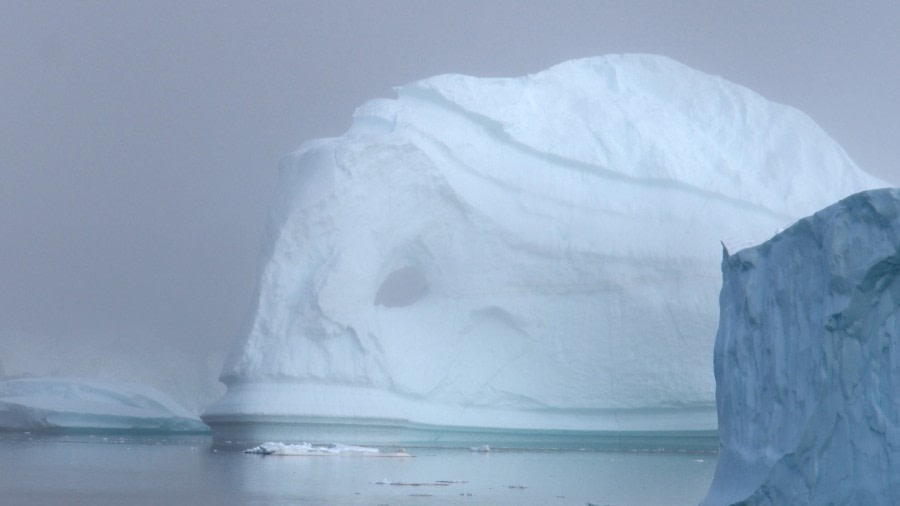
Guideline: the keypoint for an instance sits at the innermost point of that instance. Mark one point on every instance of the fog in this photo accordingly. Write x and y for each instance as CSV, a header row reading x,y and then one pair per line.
x,y
140,140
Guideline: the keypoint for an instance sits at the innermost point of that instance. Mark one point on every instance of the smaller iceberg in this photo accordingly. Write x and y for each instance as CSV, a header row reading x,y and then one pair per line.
x,y
78,405
807,359
308,450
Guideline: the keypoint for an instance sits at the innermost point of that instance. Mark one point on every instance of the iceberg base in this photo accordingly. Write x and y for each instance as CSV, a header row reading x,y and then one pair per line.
x,y
364,416
381,433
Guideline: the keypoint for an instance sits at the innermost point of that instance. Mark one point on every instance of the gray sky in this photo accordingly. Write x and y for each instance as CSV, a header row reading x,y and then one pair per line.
x,y
139,141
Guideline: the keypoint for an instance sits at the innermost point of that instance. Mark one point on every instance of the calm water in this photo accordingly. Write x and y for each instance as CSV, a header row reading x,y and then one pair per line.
x,y
102,470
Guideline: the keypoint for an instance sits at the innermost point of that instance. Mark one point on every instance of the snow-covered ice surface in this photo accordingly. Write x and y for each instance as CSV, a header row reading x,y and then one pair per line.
x,y
66,404
806,361
536,253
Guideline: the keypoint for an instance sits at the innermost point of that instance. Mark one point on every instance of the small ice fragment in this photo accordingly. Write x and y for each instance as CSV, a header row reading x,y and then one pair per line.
x,y
306,449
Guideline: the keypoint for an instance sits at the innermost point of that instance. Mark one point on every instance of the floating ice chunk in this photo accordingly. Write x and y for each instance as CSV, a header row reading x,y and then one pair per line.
x,y
308,450
63,404
438,483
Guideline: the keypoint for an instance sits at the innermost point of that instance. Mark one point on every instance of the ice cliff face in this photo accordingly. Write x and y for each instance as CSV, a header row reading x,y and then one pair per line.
x,y
531,253
807,361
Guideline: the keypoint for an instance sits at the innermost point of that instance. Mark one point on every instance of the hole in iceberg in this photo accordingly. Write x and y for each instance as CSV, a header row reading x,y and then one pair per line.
x,y
402,287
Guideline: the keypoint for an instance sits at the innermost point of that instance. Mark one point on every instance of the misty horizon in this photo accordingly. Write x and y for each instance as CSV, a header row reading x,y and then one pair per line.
x,y
141,144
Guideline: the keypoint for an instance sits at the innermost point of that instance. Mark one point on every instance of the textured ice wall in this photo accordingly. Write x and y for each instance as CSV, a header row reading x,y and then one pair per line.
x,y
807,361
534,253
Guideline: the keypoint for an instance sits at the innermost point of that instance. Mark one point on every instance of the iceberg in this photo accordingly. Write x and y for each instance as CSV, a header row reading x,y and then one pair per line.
x,y
521,254
125,355
77,405
806,361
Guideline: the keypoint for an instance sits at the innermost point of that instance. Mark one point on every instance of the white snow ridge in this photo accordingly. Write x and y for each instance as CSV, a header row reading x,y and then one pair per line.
x,y
806,362
533,254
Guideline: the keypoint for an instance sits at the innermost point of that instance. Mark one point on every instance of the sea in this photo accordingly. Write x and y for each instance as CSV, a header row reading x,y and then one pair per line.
x,y
96,469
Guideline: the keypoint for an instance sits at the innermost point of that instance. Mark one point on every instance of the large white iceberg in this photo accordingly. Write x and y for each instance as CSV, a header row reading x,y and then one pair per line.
x,y
538,253
807,362
66,404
